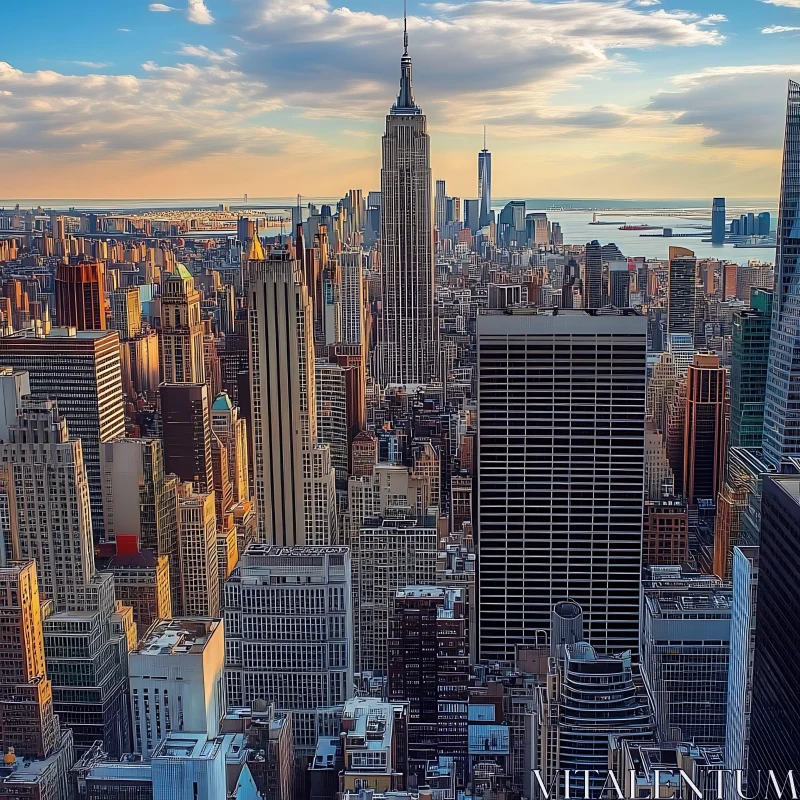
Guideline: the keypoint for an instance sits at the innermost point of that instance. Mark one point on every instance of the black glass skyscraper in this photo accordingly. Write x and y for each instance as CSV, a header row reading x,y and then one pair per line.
x,y
775,718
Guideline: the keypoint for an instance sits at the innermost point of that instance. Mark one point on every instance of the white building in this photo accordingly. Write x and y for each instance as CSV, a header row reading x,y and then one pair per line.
x,y
289,633
197,552
176,681
354,303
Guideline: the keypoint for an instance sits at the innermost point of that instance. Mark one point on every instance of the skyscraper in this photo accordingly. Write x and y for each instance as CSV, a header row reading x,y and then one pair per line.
x,y
181,334
718,220
704,429
408,326
682,292
484,185
440,206
186,432
749,360
81,371
775,711
289,626
561,450
291,491
593,276
49,501
80,295
781,422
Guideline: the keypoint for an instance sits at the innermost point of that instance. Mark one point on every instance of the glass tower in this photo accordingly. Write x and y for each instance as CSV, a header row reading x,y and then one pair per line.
x,y
782,408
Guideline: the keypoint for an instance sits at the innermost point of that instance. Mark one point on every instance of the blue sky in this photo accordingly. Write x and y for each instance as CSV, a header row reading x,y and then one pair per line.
x,y
603,98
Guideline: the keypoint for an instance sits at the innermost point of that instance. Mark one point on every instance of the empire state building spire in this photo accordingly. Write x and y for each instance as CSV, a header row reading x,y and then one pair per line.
x,y
405,99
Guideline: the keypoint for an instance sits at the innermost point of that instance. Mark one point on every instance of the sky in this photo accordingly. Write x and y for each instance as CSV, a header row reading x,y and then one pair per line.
x,y
218,98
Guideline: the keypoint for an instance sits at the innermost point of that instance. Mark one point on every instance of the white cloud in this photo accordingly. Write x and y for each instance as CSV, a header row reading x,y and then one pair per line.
x,y
785,3
648,2
92,64
470,57
124,30
197,12
160,8
711,101
201,51
780,29
175,112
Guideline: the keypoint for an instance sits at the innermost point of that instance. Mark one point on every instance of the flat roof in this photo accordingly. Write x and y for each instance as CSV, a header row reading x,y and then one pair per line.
x,y
565,322
177,637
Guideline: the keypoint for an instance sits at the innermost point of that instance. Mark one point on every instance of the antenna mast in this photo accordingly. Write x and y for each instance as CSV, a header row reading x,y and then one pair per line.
x,y
405,27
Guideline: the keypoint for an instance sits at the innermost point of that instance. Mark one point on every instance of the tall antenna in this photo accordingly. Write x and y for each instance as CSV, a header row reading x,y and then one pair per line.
x,y
405,27
484,137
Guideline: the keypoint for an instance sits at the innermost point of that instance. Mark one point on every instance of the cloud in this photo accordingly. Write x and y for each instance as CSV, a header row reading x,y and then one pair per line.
x,y
124,30
648,2
780,29
179,112
197,12
201,51
334,62
785,3
712,102
160,8
92,64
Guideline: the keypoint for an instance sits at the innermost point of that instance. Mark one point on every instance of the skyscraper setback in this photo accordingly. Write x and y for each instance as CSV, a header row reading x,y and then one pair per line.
x,y
407,327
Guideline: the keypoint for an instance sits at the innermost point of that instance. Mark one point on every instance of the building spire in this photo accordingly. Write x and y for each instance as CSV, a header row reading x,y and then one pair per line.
x,y
405,27
484,138
405,99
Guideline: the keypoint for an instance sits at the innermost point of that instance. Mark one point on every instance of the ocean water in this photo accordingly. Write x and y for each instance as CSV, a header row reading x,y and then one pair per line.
x,y
574,215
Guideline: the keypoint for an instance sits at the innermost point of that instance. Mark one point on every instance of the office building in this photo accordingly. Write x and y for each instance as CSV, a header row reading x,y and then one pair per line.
x,y
440,206
587,698
231,429
659,478
388,554
143,525
781,425
428,666
80,296
27,722
654,770
561,461
749,359
332,426
619,284
682,292
685,650
181,333
86,651
176,684
48,501
666,532
408,330
364,454
593,276
284,403
289,632
472,215
126,311
197,552
718,221
775,711
742,647
704,429
186,433
142,581
14,385
354,297
374,746
81,371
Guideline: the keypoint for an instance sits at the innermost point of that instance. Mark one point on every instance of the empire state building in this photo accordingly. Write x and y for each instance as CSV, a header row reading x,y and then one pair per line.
x,y
408,330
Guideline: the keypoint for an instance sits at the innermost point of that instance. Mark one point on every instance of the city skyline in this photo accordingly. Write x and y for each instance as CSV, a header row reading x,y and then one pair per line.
x,y
201,98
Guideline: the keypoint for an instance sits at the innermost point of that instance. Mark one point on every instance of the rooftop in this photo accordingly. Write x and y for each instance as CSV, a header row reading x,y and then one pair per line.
x,y
178,637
